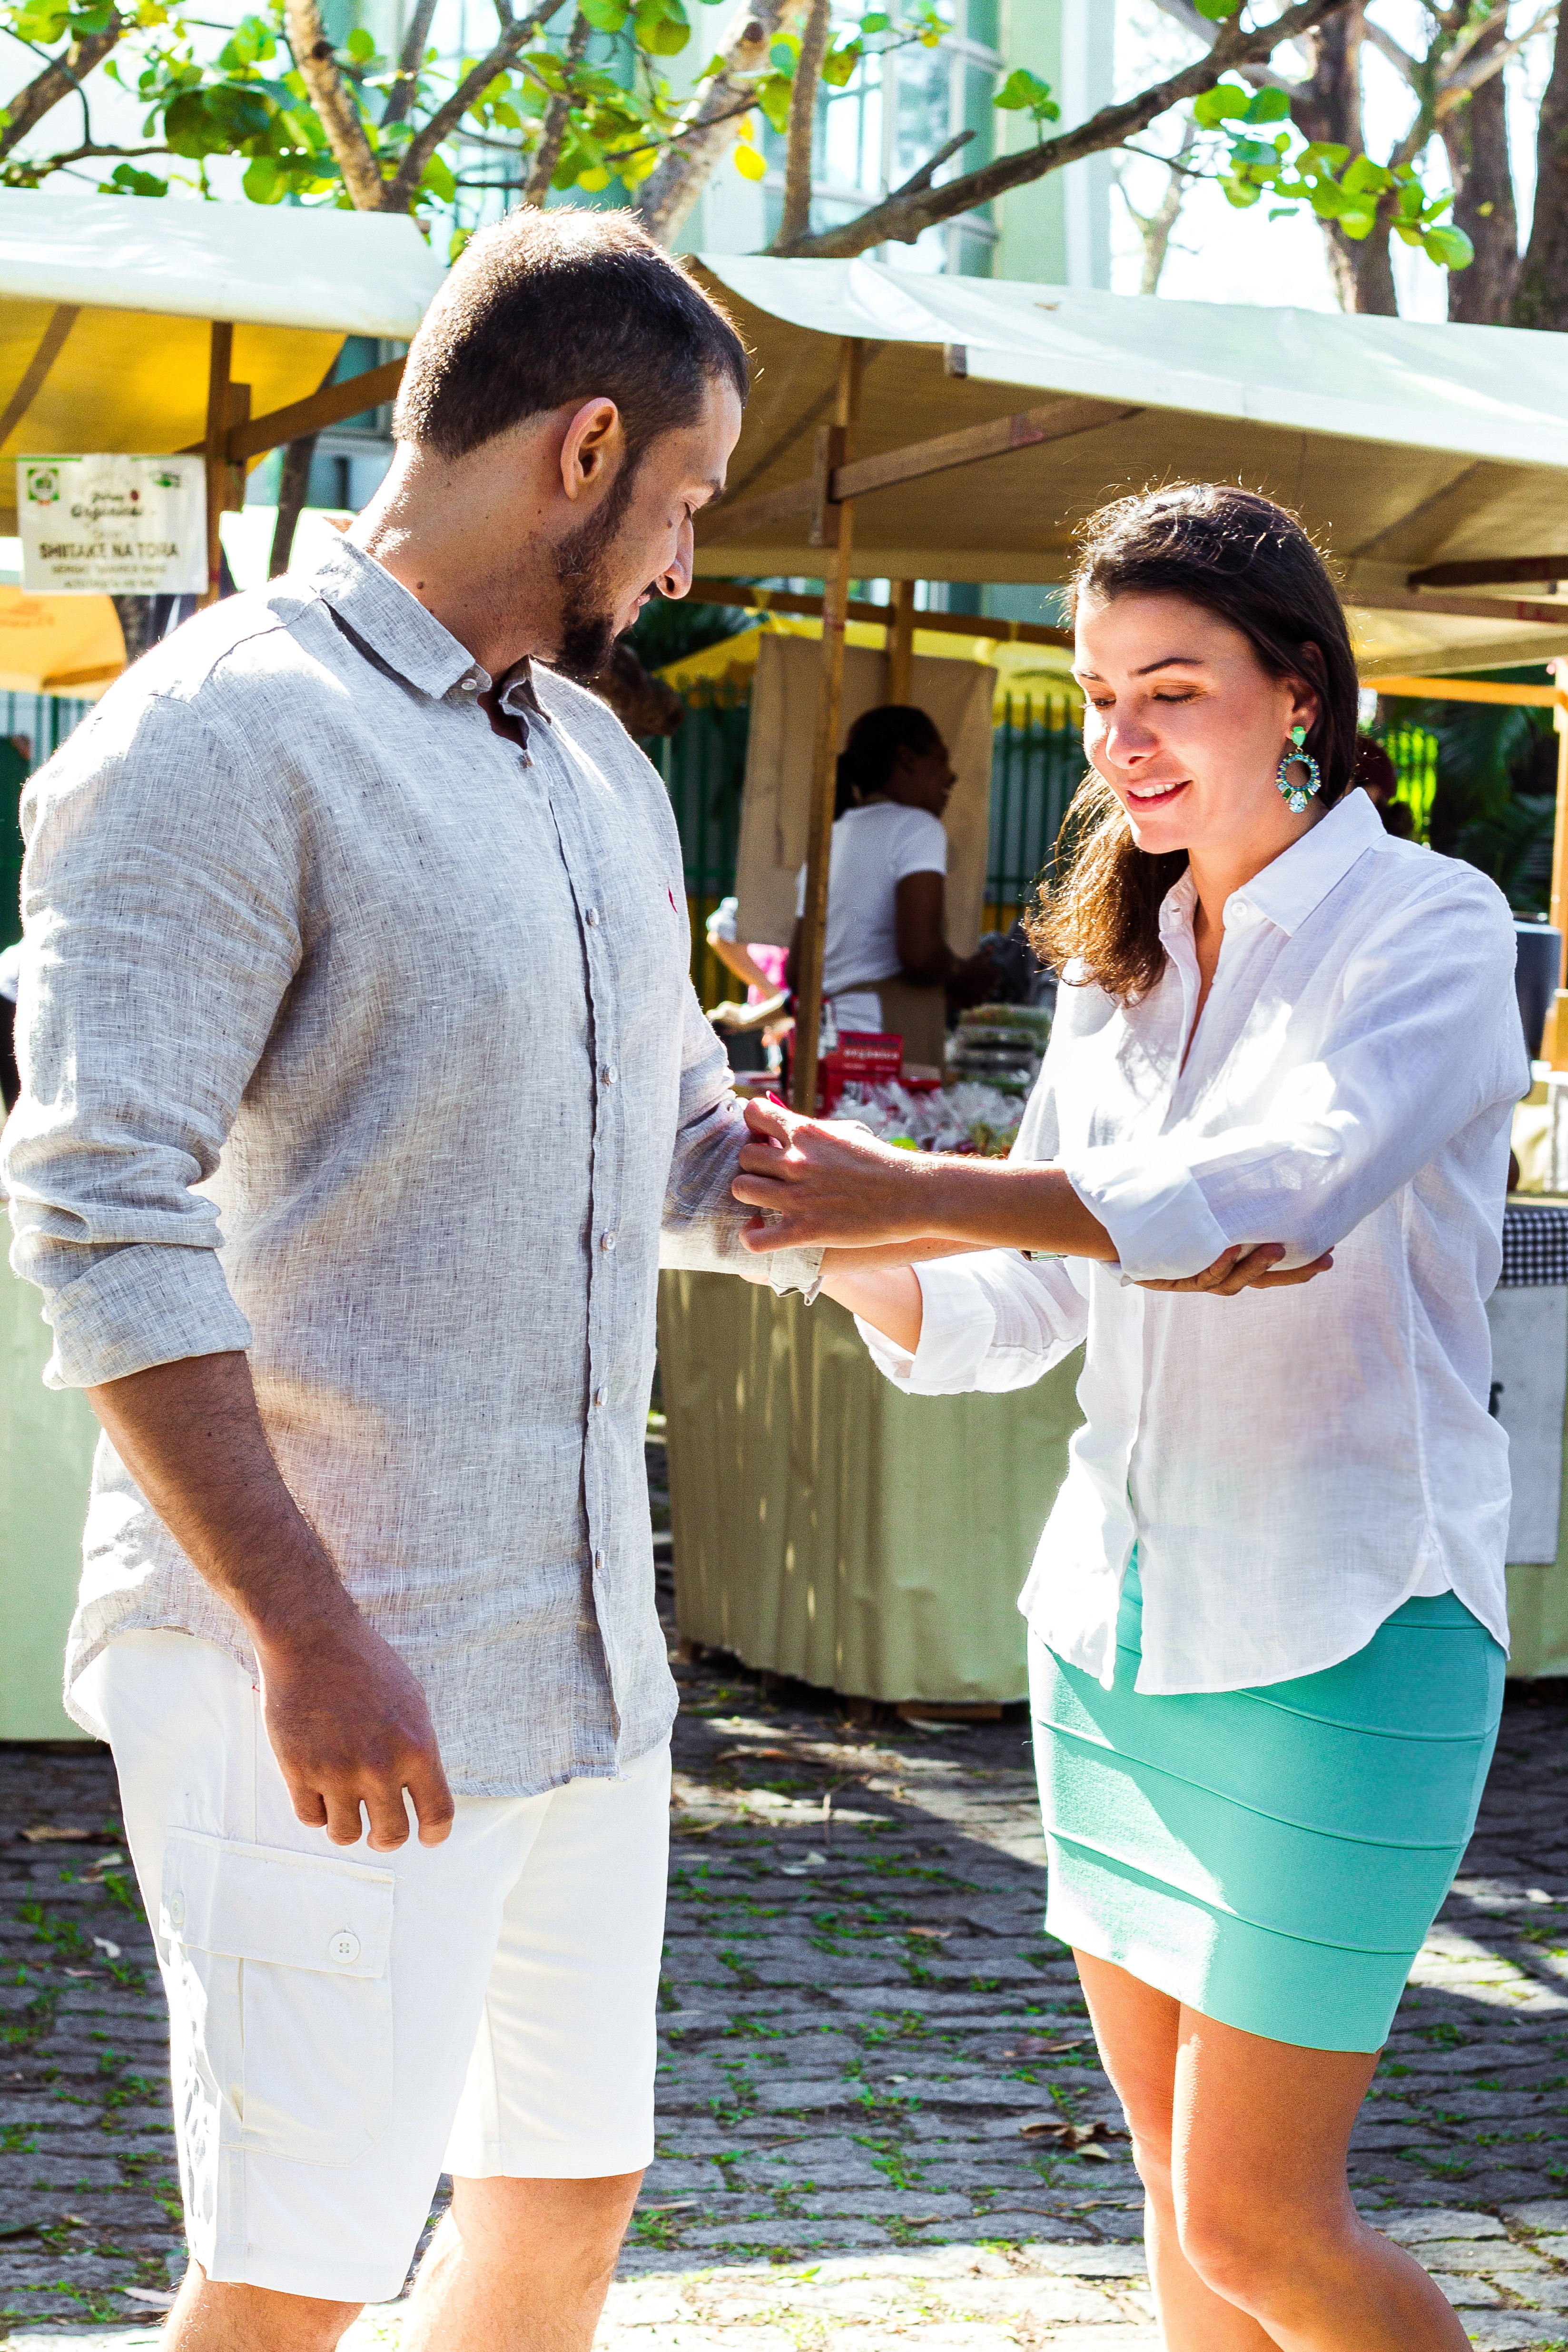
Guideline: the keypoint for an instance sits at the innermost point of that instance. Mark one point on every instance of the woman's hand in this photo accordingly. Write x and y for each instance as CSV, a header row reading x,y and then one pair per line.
x,y
830,1184
1241,1269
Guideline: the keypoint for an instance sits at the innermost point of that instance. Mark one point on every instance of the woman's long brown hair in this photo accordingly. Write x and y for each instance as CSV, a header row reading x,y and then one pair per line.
x,y
1250,561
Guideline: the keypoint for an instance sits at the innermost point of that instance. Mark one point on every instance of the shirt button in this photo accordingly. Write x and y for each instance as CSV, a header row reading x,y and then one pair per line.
x,y
343,1946
601,1397
176,1909
611,1074
598,1561
606,1241
591,917
469,685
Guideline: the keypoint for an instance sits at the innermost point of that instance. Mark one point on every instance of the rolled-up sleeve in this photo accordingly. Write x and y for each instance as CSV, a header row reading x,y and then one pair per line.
x,y
162,931
702,1219
1349,1127
993,1321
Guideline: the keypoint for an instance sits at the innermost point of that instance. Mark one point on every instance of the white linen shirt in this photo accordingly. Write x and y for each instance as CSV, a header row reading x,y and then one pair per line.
x,y
360,1037
1294,1464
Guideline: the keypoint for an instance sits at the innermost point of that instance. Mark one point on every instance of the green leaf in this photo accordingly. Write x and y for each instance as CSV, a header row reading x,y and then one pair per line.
x,y
606,16
784,56
1449,248
1217,11
263,183
220,120
1213,107
1024,92
360,46
875,23
126,181
1269,106
1364,177
436,177
839,65
773,98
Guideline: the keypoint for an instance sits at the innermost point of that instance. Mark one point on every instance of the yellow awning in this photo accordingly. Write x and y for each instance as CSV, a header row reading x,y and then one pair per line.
x,y
1023,672
59,644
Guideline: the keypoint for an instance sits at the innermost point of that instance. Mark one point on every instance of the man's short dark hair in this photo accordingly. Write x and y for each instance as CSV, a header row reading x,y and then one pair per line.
x,y
549,308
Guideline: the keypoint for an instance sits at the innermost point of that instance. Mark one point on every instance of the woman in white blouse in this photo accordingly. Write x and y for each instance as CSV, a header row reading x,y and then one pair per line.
x,y
1267,1621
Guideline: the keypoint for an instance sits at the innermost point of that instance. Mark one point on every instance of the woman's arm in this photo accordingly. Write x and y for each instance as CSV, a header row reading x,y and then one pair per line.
x,y
924,954
876,1207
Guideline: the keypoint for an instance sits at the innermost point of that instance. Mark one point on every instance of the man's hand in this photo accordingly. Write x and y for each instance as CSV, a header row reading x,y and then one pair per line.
x,y
348,1727
346,1717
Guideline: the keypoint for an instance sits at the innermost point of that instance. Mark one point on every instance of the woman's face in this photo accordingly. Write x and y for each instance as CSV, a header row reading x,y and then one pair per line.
x,y
922,779
1186,726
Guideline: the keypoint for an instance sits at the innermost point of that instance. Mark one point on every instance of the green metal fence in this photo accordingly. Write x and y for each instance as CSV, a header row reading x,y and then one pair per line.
x,y
704,768
32,729
1037,765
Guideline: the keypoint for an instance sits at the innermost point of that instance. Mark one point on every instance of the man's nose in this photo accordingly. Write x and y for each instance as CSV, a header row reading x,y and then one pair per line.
x,y
677,577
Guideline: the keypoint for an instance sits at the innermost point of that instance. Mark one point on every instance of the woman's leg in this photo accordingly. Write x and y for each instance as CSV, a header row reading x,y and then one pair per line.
x,y
1242,2144
1139,2033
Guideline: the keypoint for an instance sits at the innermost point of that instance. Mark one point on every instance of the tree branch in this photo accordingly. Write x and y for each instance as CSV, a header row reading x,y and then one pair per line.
x,y
60,77
1458,86
676,181
902,218
404,186
334,105
797,218
933,164
404,89
89,147
547,154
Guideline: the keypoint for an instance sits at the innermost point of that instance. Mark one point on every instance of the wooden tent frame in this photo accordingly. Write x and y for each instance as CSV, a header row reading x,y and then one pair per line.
x,y
827,497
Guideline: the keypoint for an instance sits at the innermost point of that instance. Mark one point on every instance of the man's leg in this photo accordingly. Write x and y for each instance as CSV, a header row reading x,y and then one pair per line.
x,y
518,2266
556,2123
208,2318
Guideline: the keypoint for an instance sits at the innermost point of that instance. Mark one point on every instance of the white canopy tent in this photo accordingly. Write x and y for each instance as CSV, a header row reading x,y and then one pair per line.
x,y
1430,462
132,324
1406,447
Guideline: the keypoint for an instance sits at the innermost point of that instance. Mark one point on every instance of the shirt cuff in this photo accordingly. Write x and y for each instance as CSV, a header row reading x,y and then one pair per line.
x,y
796,1269
1152,1207
958,1323
138,1307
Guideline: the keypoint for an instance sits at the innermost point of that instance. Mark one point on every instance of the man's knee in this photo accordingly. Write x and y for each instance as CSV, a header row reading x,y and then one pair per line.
x,y
574,2226
223,2316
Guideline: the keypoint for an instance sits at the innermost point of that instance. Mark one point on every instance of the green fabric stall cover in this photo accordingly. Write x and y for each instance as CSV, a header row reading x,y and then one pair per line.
x,y
827,1527
47,1441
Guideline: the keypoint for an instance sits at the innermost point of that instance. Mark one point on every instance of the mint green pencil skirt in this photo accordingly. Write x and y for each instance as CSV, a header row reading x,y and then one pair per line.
x,y
1271,1857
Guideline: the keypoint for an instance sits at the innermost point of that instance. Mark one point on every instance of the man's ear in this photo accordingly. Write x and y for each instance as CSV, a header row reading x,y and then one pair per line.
x,y
591,451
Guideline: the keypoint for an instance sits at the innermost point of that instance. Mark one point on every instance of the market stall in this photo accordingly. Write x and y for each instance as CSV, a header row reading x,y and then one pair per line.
x,y
131,327
898,429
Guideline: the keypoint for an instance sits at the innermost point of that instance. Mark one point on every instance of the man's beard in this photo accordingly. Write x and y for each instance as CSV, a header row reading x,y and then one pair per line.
x,y
587,598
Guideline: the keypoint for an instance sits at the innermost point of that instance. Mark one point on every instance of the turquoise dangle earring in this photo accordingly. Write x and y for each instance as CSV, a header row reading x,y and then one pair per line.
x,y
1296,796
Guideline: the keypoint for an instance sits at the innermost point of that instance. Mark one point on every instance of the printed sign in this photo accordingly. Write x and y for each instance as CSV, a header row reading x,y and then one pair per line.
x,y
112,526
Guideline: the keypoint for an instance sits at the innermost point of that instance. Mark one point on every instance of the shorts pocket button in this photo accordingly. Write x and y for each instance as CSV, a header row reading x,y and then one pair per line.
x,y
176,1910
343,1946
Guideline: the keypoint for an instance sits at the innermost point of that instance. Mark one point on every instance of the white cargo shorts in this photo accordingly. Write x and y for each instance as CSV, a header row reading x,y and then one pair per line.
x,y
346,2025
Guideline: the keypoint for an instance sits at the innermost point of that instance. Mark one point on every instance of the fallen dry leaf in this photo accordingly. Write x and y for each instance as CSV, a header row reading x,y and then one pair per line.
x,y
1039,2046
51,1837
936,1935
1077,2137
157,2294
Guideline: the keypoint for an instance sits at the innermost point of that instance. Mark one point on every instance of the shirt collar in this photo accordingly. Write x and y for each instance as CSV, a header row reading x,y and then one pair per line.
x,y
1287,891
385,616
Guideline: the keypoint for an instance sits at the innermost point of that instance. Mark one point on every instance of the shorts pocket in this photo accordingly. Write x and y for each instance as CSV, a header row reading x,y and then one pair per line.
x,y
281,1961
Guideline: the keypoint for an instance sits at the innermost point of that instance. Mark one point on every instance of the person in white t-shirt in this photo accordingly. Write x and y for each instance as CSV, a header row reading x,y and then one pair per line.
x,y
887,873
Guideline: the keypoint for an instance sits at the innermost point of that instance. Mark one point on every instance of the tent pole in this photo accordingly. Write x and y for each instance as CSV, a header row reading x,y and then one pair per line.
x,y
1555,1043
901,643
217,450
832,526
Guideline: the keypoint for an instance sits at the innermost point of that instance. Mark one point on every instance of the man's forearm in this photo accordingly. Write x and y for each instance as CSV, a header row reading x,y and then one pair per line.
x,y
190,1434
346,1717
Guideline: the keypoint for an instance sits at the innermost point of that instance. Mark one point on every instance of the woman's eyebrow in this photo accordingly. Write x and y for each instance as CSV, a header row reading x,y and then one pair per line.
x,y
1170,661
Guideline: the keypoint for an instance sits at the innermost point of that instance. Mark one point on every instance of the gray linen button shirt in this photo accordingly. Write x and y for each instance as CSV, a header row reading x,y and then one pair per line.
x,y
356,1036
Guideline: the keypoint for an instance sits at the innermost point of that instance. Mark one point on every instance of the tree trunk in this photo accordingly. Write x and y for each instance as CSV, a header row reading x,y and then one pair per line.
x,y
293,481
1329,108
1474,136
552,132
683,170
1541,296
802,152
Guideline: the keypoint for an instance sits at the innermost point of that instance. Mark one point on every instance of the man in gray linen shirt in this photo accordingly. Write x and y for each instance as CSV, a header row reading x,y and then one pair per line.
x,y
361,1073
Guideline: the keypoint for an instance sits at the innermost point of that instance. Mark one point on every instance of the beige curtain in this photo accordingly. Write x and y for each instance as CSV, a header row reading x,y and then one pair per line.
x,y
775,815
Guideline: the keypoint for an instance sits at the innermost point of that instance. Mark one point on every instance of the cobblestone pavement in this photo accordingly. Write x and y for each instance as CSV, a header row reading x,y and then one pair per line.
x,y
879,2108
